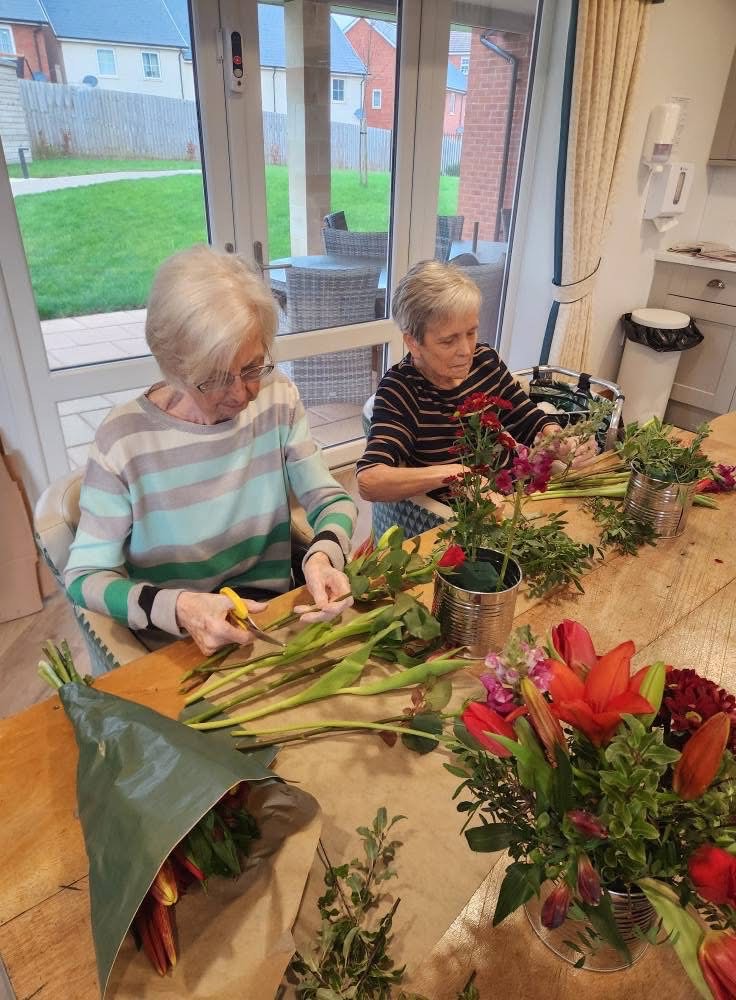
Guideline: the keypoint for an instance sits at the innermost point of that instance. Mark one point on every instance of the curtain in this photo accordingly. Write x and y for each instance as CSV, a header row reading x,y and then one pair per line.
x,y
604,54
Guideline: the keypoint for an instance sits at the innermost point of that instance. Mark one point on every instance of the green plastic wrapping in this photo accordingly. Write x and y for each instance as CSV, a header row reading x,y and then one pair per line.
x,y
143,782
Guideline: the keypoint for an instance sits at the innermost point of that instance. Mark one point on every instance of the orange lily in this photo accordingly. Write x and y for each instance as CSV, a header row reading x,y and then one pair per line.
x,y
717,957
595,706
546,724
702,757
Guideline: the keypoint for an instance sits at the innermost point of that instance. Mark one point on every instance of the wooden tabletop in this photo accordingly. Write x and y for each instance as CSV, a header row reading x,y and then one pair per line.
x,y
677,601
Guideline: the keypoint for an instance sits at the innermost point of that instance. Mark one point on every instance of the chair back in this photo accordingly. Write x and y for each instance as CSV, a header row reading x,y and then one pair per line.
x,y
489,279
319,298
354,244
450,226
465,260
335,220
55,520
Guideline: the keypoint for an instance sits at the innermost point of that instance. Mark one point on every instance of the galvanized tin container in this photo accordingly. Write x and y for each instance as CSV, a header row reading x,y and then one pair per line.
x,y
475,619
663,505
634,916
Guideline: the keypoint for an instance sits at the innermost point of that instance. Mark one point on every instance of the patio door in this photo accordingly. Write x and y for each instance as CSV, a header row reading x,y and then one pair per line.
x,y
314,127
110,172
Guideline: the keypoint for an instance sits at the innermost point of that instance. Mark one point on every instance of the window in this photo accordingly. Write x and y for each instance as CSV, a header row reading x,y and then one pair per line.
x,y
465,64
106,62
6,39
376,100
151,66
338,91
452,104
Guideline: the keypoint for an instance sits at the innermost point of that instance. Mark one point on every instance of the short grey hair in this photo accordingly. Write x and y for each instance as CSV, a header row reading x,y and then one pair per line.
x,y
203,307
431,292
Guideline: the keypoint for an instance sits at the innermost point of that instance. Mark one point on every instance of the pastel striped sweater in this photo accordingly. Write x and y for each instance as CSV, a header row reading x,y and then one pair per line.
x,y
168,505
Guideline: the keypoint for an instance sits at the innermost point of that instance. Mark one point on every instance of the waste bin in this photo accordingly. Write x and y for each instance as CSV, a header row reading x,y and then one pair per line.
x,y
655,338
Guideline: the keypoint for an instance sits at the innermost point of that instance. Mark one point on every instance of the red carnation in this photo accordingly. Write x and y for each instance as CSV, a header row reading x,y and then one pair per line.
x,y
690,700
452,557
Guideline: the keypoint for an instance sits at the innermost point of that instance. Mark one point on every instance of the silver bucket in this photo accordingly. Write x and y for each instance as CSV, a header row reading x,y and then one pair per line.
x,y
633,914
476,619
663,505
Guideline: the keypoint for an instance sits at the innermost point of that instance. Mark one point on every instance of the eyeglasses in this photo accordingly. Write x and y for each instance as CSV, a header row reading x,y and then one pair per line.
x,y
251,373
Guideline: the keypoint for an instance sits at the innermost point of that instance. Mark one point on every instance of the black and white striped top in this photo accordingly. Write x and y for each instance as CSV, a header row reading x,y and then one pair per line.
x,y
411,423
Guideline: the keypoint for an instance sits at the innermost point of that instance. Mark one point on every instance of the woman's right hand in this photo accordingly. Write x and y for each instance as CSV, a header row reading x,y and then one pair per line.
x,y
204,617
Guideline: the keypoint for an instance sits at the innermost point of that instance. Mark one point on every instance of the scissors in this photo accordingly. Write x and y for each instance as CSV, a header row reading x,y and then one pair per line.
x,y
240,616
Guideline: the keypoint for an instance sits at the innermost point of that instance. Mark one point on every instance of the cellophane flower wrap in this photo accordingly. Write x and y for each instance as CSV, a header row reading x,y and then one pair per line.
x,y
143,782
598,777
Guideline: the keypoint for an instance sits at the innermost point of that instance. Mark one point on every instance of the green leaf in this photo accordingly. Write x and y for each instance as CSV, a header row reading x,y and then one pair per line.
x,y
490,837
561,794
439,693
684,931
429,722
521,882
604,923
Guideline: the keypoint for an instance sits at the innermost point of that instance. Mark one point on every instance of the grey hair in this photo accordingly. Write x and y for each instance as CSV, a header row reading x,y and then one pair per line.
x,y
203,307
431,292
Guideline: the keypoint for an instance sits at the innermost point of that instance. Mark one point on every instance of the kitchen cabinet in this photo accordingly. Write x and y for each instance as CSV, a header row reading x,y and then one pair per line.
x,y
723,150
705,383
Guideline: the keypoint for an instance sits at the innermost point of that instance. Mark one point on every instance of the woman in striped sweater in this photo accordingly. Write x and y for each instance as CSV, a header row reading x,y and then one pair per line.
x,y
187,486
409,449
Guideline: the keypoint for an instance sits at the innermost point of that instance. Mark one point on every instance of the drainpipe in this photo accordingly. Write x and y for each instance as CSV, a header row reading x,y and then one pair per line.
x,y
273,89
38,51
514,64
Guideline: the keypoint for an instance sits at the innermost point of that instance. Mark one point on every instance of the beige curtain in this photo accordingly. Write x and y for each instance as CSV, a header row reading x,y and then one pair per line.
x,y
609,44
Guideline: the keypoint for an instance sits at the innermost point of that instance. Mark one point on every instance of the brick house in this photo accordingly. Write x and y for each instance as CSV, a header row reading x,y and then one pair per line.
x,y
375,42
25,33
486,108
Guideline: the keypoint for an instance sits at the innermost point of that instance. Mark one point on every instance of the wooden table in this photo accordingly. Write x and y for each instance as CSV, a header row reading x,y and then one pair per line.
x,y
677,601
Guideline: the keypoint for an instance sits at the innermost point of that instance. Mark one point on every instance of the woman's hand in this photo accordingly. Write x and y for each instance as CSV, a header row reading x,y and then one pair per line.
x,y
204,617
570,451
326,584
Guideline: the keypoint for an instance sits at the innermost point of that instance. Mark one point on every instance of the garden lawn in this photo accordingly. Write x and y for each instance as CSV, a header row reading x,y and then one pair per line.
x,y
95,249
69,167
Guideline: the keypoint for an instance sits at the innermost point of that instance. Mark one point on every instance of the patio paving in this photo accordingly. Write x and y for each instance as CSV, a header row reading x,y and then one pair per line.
x,y
84,340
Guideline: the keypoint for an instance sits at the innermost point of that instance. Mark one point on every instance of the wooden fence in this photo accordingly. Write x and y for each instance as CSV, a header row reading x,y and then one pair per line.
x,y
67,120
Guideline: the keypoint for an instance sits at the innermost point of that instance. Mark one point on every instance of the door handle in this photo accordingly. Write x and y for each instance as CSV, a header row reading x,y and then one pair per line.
x,y
716,283
258,254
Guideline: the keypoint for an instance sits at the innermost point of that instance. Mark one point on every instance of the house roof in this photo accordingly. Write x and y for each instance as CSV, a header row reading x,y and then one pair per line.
x,y
126,21
179,12
343,57
385,28
456,80
460,43
22,10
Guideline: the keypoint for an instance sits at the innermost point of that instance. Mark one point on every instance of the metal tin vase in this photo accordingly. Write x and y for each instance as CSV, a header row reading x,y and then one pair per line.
x,y
663,505
476,619
634,916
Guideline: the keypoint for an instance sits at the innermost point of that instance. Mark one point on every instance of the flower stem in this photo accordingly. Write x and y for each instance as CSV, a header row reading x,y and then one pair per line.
x,y
346,724
512,535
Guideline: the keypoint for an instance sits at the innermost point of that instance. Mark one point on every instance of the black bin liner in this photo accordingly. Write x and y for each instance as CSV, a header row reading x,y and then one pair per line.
x,y
662,340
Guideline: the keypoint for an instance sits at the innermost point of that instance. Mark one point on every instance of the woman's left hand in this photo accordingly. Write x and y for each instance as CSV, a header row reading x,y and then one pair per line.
x,y
569,451
328,586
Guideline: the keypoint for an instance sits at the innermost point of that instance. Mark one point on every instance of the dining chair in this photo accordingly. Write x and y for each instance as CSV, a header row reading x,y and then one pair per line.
x,y
318,298
489,279
354,244
335,220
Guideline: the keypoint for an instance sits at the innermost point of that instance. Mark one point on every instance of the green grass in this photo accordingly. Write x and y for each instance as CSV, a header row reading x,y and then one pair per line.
x,y
95,249
69,167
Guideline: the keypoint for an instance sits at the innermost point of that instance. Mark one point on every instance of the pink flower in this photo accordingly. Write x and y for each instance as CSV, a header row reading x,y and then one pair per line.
x,y
504,482
500,698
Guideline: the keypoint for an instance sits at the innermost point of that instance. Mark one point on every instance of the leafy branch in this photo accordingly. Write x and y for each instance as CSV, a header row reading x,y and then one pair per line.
x,y
618,530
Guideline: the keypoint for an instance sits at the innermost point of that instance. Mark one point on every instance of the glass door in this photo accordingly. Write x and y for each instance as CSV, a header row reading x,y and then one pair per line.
x,y
320,154
107,176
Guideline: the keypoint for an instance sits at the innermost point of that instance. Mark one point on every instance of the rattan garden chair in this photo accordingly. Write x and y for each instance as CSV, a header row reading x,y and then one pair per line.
x,y
317,298
449,229
489,279
354,244
335,220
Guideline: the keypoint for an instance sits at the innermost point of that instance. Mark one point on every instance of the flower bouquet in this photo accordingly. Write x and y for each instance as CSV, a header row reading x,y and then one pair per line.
x,y
610,791
162,811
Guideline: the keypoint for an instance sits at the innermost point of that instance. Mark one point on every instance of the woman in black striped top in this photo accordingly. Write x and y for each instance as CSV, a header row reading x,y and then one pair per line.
x,y
409,448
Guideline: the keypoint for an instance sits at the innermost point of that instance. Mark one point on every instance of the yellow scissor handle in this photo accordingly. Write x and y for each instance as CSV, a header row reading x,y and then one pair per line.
x,y
240,608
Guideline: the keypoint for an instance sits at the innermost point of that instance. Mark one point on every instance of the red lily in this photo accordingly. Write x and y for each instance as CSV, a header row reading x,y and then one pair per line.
x,y
713,873
701,759
572,641
481,722
595,706
556,906
717,957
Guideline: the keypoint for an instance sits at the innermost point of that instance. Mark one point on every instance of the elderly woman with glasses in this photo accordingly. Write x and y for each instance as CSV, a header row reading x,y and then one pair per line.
x,y
188,485
410,449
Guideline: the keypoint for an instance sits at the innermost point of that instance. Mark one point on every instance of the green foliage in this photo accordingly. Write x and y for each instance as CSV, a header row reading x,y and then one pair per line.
x,y
618,529
549,558
654,449
350,958
388,569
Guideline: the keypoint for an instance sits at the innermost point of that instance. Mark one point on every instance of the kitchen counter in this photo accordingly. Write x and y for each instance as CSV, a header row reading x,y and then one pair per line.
x,y
668,257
